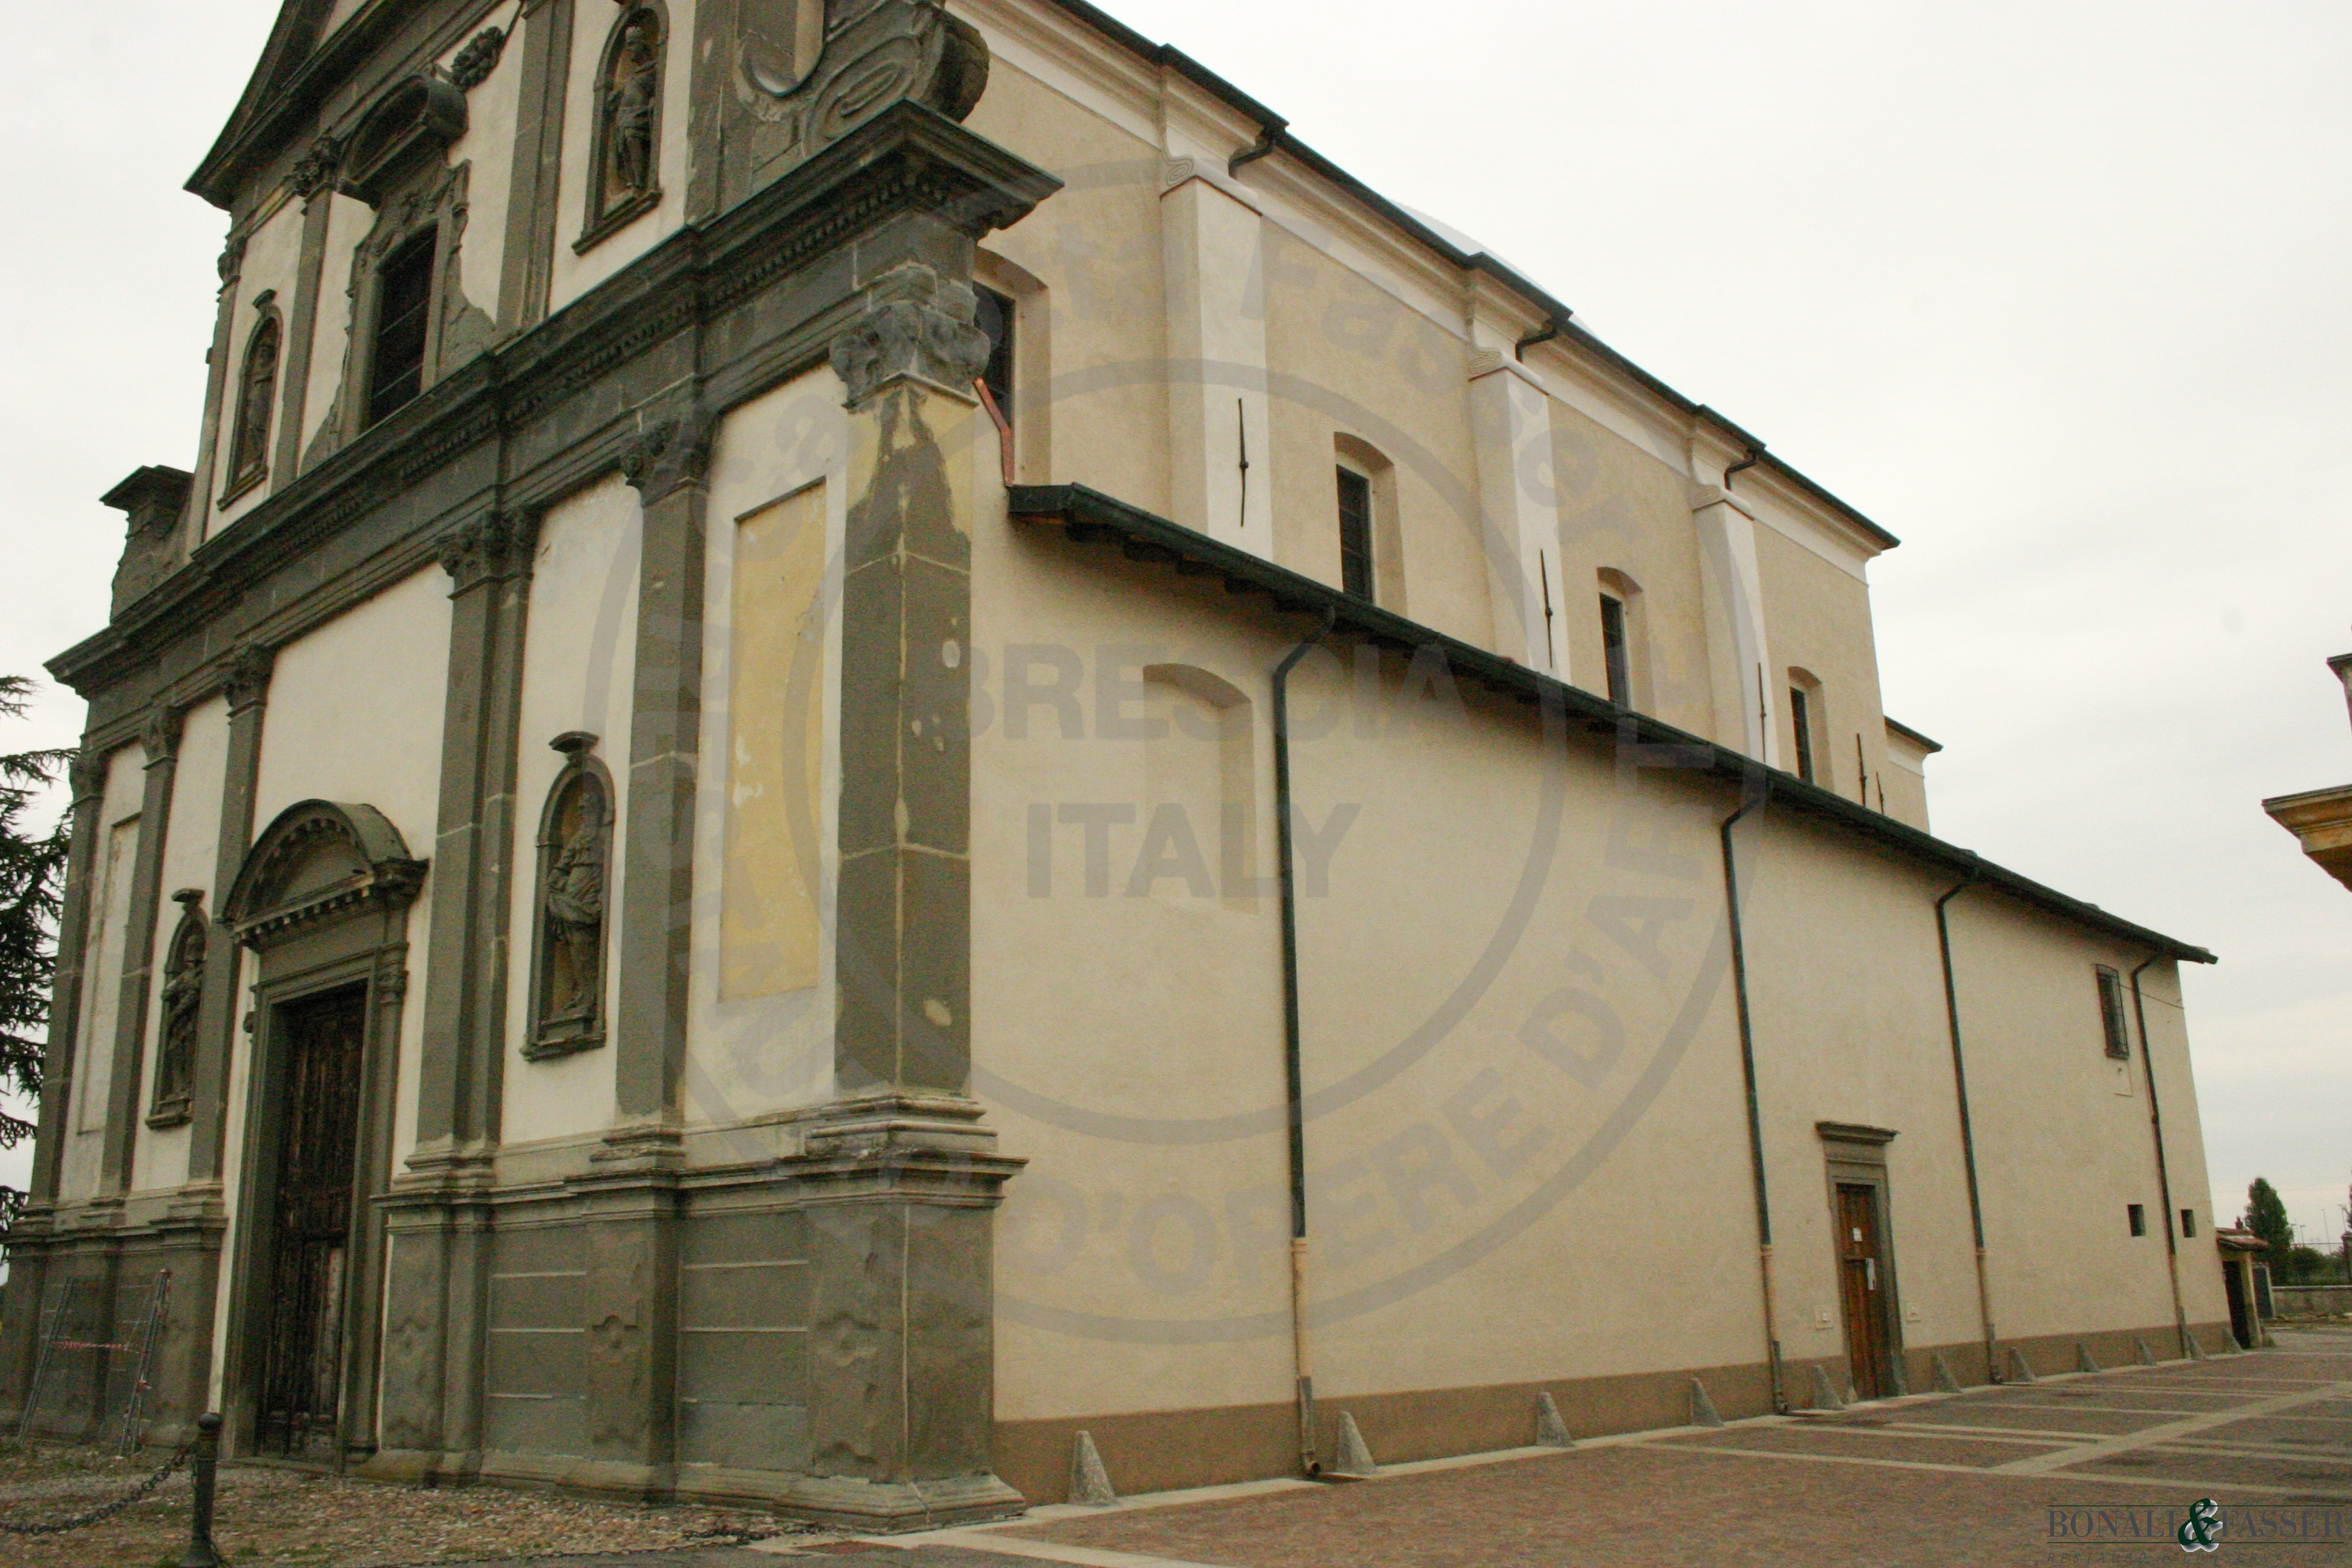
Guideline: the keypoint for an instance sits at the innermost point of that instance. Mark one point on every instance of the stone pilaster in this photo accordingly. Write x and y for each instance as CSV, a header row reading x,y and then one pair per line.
x,y
314,183
530,253
245,682
123,1111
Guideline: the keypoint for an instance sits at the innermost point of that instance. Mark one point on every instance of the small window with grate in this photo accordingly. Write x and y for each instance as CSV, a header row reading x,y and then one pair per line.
x,y
1801,720
2136,1215
2111,1014
1616,654
402,310
1356,534
2188,1222
993,314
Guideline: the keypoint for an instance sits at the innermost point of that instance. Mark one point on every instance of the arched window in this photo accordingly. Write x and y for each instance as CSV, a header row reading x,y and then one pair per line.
x,y
625,173
403,321
1371,566
1624,640
257,399
575,843
1808,726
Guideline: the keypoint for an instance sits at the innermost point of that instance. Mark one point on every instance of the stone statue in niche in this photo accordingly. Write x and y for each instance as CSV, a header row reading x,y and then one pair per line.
x,y
632,99
572,847
184,991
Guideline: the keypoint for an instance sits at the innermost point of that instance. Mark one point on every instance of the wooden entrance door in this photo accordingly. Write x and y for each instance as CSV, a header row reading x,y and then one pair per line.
x,y
318,1102
1863,1286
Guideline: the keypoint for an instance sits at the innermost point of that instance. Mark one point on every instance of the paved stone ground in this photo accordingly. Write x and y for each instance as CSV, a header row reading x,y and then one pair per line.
x,y
1971,1478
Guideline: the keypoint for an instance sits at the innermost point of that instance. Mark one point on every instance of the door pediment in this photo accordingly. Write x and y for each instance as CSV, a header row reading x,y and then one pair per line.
x,y
319,860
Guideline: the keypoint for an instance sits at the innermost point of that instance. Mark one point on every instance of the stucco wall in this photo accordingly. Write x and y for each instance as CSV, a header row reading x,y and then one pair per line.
x,y
489,146
272,258
110,914
579,655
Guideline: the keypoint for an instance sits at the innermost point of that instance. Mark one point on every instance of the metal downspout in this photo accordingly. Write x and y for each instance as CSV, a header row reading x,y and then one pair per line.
x,y
1968,1123
2163,1171
1293,1074
1759,791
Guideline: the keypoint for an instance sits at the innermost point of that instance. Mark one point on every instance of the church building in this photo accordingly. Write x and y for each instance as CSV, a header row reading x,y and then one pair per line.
x,y
869,732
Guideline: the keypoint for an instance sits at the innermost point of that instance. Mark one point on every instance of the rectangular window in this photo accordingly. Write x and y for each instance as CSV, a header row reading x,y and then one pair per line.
x,y
1801,716
2188,1222
994,316
402,307
1614,652
1355,534
2137,1216
2111,1014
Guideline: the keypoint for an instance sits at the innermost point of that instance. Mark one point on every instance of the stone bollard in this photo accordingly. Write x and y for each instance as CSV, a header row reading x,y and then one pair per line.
x,y
204,1470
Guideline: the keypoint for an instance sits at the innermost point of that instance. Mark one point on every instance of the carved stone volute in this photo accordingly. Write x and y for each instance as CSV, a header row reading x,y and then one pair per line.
x,y
154,497
316,168
159,737
915,325
478,58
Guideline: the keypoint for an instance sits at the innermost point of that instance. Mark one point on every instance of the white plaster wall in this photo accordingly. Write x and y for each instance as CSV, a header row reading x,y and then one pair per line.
x,y
752,1057
575,273
355,714
160,1156
109,913
273,255
488,144
347,224
578,657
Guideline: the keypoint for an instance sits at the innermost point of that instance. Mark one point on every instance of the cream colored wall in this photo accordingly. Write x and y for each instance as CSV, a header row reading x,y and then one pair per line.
x,y
1498,929
575,273
1095,247
347,723
347,224
1818,617
110,914
1906,782
2184,1143
488,146
579,661
757,1054
273,254
191,848
1623,508
2063,1136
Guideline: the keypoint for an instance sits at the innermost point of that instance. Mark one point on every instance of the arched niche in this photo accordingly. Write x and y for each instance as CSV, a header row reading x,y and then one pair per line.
x,y
322,902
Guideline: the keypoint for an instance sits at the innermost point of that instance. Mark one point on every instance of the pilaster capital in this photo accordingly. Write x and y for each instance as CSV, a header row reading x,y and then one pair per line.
x,y
485,548
916,326
160,735
668,454
315,170
245,676
232,259
86,775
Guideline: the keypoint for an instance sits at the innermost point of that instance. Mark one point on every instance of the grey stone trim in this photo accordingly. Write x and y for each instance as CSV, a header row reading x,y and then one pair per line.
x,y
916,325
197,516
245,682
302,336
529,257
653,952
86,778
162,742
545,412
350,930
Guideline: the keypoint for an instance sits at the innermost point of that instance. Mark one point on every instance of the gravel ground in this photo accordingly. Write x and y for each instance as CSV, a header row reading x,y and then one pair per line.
x,y
269,1515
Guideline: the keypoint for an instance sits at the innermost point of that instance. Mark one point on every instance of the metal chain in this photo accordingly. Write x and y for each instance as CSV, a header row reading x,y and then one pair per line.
x,y
138,1494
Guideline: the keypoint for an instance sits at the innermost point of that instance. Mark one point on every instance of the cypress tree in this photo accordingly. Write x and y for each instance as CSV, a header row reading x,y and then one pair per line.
x,y
32,882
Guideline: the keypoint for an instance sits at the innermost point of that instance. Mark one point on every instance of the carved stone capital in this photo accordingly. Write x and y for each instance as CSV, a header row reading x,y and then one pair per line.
x,y
914,327
232,259
316,168
160,735
245,676
669,454
86,775
488,547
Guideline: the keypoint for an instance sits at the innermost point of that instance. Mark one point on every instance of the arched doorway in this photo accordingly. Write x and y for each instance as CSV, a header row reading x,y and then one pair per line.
x,y
322,902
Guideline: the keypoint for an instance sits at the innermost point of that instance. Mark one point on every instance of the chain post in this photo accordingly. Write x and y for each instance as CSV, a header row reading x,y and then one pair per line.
x,y
201,1552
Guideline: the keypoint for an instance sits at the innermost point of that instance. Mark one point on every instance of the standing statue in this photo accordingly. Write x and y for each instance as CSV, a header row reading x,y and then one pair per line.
x,y
631,94
575,902
182,999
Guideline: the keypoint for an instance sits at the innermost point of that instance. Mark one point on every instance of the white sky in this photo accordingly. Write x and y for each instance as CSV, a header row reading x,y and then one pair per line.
x,y
2057,294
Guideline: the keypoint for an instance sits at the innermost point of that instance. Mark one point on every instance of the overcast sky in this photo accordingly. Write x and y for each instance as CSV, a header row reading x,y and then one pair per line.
x,y
2055,293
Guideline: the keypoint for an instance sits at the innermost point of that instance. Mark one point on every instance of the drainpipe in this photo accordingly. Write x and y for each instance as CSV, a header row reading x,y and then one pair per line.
x,y
1292,1073
1968,1124
1759,791
1550,329
2163,1171
1268,137
1755,456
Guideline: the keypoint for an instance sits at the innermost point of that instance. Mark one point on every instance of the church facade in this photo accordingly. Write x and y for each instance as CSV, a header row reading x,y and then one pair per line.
x,y
871,732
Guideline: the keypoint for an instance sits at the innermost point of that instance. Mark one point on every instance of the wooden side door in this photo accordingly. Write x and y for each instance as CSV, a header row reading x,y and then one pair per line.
x,y
1863,1289
310,1237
